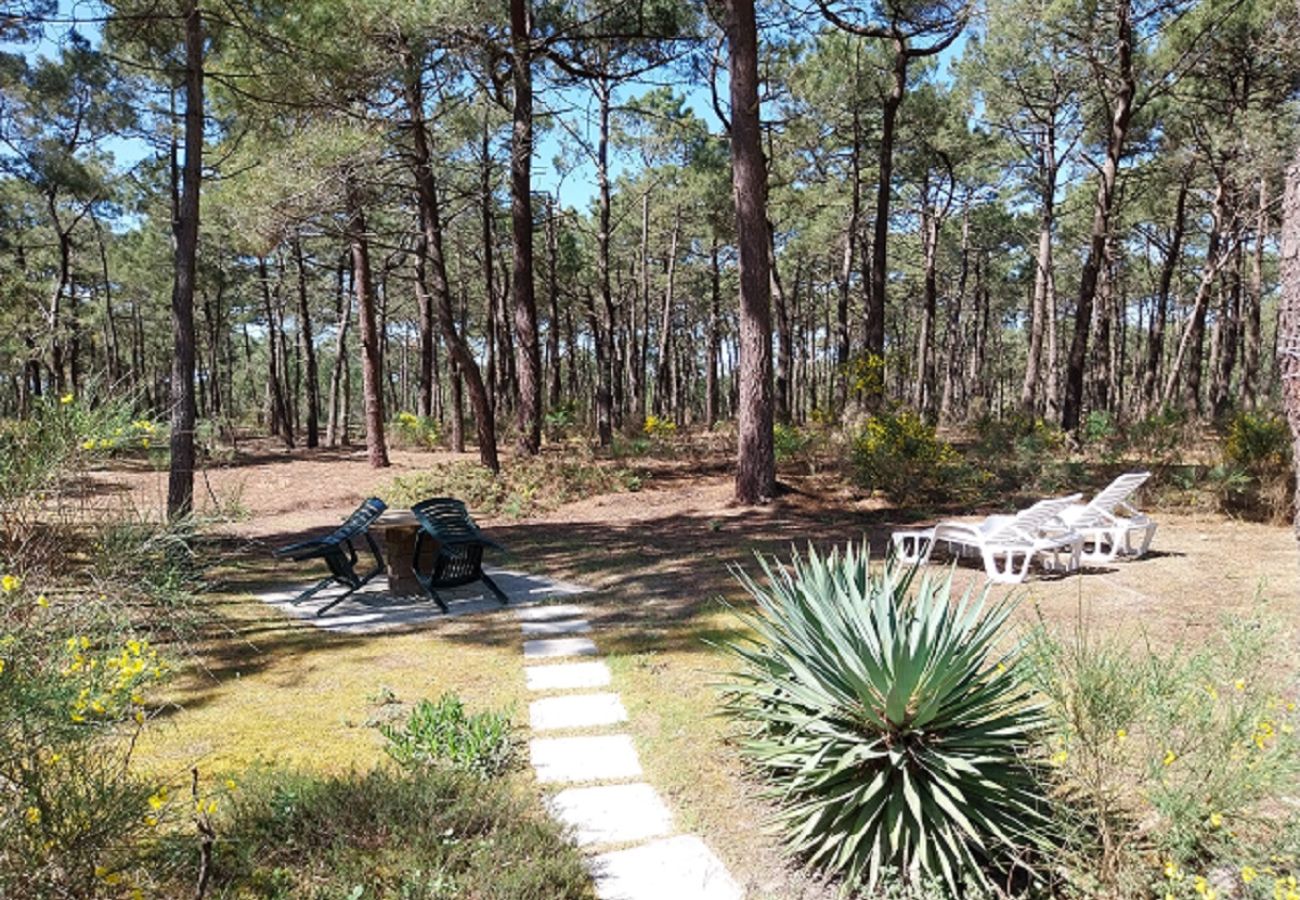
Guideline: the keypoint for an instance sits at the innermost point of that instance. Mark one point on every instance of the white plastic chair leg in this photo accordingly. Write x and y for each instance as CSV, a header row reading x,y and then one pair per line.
x,y
1002,567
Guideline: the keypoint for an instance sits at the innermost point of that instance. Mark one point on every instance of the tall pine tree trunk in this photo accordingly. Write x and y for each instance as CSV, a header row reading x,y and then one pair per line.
x,y
756,462
371,366
180,476
528,363
1288,322
308,350
1121,106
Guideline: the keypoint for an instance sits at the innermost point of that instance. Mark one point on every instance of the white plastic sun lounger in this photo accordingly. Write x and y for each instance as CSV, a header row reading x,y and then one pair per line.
x,y
1110,527
1007,544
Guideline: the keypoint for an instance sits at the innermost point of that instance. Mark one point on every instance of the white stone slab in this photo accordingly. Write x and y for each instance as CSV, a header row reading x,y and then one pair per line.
x,y
612,813
549,611
682,868
550,648
576,711
567,676
373,609
575,759
563,626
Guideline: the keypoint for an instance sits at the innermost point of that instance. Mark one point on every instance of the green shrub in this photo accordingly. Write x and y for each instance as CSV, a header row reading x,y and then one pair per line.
x,y
72,702
1258,443
441,733
789,442
411,432
1169,754
426,834
560,420
901,456
522,488
892,730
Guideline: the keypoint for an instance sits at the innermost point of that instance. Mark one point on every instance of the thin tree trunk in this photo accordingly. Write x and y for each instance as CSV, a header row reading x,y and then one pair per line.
x,y
875,337
1288,322
663,374
180,478
714,338
1030,391
1160,315
1121,106
783,375
553,296
371,370
1253,301
308,350
343,306
464,365
528,363
756,463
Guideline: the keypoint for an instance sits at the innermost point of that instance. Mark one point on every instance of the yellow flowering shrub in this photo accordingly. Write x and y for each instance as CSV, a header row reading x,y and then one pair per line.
x,y
900,455
411,432
71,705
658,427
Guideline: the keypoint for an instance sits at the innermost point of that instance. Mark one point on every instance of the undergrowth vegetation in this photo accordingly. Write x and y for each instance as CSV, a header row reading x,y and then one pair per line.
x,y
522,487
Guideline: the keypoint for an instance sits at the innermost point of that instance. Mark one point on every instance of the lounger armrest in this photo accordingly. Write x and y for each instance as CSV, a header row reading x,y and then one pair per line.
x,y
300,550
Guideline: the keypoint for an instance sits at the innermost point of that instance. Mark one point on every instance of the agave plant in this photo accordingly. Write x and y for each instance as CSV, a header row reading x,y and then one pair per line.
x,y
890,723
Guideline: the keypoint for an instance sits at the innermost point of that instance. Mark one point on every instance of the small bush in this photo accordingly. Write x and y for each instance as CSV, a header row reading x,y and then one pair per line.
x,y
658,428
441,733
429,833
899,455
1257,457
72,702
522,488
411,432
893,732
559,421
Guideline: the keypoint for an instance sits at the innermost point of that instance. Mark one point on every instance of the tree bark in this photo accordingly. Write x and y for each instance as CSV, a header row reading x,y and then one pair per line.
x,y
1288,323
756,463
180,476
1254,298
1160,315
875,337
464,365
308,350
336,425
528,363
1121,105
1030,390
604,399
371,368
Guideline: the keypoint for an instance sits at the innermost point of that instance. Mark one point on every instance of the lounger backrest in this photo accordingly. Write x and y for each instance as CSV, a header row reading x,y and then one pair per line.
x,y
1029,522
358,522
447,519
1118,491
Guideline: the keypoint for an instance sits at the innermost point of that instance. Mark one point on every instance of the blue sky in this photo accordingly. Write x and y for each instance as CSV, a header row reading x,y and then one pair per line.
x,y
577,187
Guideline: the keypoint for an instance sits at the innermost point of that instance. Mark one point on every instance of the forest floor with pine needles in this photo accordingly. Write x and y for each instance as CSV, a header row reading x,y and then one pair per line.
x,y
273,689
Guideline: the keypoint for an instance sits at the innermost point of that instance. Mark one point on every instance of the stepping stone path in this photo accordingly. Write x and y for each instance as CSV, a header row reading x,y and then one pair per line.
x,y
622,820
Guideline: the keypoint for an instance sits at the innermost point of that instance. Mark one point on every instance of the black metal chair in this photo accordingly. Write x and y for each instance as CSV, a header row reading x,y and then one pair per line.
x,y
339,553
446,522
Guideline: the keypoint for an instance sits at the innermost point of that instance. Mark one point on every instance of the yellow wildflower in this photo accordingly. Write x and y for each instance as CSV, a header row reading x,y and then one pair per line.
x,y
1172,871
33,815
1121,735
156,800
88,444
1216,819
1059,757
1248,874
1240,684
230,784
2,666
144,442
10,583
65,399
1170,756
42,602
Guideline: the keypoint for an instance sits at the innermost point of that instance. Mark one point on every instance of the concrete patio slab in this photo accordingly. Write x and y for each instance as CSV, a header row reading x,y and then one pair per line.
x,y
373,609
546,612
576,711
567,676
576,759
552,648
560,626
683,868
612,813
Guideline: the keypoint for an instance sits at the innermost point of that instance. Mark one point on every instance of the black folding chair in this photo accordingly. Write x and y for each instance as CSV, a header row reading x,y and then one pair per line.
x,y
447,522
339,553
